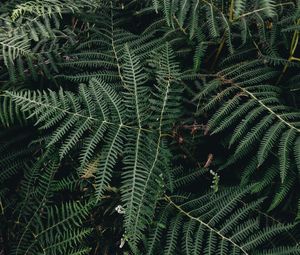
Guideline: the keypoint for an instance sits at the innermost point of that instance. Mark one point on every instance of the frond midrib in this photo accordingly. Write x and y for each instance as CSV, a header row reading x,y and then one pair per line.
x,y
187,214
240,87
76,114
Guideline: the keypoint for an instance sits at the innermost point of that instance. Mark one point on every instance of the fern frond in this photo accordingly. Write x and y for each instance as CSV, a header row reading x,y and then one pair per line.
x,y
268,7
107,109
11,48
110,38
229,229
239,6
43,8
282,193
140,198
108,159
137,94
285,144
265,119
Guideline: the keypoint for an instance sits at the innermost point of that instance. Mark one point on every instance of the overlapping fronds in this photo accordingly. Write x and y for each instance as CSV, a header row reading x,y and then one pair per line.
x,y
101,54
251,110
268,124
119,121
213,224
101,100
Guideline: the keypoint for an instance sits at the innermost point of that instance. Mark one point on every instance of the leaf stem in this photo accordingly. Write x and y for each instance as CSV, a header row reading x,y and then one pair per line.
x,y
187,214
294,44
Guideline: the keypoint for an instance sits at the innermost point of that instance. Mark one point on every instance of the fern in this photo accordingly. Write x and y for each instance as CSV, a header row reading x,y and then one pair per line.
x,y
149,127
221,225
110,38
43,8
100,105
33,32
49,111
246,99
13,47
11,114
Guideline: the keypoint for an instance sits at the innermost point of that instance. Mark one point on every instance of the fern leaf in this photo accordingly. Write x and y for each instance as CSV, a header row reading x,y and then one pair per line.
x,y
231,230
134,79
255,134
173,235
297,152
268,141
240,6
284,189
108,159
285,144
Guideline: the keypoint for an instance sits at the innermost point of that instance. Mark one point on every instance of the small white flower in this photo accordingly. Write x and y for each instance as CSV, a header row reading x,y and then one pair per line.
x,y
123,241
120,209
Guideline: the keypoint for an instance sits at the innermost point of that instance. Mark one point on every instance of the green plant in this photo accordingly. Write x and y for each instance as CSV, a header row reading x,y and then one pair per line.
x,y
126,121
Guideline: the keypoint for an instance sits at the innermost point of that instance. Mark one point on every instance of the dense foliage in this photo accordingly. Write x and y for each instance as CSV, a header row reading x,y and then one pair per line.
x,y
149,127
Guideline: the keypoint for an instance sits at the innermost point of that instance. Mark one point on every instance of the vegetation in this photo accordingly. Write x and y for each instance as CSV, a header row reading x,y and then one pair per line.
x,y
149,127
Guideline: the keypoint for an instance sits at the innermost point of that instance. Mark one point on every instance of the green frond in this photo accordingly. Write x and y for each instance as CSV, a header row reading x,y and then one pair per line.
x,y
186,178
73,115
11,48
285,144
184,8
268,7
141,185
265,121
140,198
43,8
111,150
253,135
51,234
166,95
71,183
149,127
266,180
107,65
297,152
200,51
231,229
86,76
173,235
15,154
157,232
11,114
239,7
282,193
213,27
241,129
137,94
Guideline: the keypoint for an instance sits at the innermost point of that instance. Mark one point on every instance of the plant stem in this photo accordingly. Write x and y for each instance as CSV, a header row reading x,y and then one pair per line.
x,y
218,51
231,11
293,48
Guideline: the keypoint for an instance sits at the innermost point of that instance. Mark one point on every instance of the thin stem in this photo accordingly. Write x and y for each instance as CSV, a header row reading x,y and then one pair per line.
x,y
260,102
261,9
294,44
79,115
113,45
180,27
231,11
221,46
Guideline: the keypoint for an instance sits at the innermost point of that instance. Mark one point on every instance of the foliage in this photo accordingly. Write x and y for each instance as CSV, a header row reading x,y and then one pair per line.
x,y
126,121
